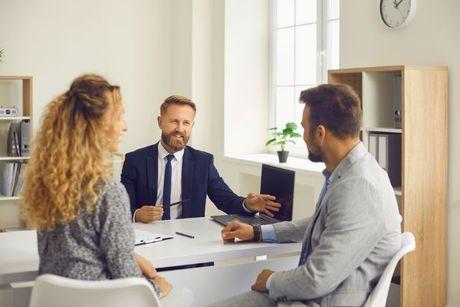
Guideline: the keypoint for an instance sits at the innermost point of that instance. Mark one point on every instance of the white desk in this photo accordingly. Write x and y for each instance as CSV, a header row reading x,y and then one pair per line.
x,y
19,258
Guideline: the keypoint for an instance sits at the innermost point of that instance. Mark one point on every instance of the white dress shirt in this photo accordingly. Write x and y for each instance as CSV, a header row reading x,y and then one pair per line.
x,y
176,179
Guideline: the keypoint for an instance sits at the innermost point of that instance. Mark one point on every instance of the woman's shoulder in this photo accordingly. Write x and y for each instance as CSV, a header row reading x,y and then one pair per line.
x,y
115,196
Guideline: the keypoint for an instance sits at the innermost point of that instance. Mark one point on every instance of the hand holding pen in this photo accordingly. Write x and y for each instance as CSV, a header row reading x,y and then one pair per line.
x,y
149,213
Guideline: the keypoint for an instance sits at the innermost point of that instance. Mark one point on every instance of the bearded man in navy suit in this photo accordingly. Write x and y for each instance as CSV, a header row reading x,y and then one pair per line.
x,y
170,180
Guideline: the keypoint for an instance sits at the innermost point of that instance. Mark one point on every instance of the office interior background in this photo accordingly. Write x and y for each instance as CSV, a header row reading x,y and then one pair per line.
x,y
221,53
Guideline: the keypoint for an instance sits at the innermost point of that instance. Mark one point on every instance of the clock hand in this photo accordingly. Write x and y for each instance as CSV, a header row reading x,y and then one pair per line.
x,y
397,4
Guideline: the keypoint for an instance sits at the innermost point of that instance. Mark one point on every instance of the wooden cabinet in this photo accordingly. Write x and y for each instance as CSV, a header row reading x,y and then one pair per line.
x,y
422,196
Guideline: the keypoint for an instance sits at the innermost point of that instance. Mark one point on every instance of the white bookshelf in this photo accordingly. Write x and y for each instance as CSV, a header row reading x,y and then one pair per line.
x,y
15,91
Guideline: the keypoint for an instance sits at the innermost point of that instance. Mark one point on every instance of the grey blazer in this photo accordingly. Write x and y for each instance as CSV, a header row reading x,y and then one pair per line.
x,y
347,243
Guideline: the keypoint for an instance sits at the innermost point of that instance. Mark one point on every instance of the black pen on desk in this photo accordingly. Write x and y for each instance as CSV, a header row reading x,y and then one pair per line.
x,y
179,202
185,235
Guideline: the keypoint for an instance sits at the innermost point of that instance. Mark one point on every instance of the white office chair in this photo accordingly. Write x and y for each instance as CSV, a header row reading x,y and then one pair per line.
x,y
378,296
55,291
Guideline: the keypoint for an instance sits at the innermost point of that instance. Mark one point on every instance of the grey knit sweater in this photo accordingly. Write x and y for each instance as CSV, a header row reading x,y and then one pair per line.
x,y
94,246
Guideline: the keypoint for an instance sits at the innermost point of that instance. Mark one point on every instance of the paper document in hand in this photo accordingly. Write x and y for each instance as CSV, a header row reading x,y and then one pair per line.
x,y
145,237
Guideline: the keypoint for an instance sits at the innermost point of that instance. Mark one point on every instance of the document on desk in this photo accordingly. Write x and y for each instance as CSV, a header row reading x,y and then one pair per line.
x,y
145,237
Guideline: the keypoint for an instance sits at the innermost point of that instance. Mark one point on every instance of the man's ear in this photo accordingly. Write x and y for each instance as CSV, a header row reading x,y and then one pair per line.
x,y
320,133
159,121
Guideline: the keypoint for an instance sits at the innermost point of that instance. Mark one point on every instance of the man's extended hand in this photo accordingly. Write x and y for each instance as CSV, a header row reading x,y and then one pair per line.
x,y
148,214
262,203
261,282
238,230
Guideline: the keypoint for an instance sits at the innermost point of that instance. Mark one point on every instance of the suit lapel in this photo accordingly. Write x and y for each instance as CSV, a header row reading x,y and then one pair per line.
x,y
187,179
308,233
152,173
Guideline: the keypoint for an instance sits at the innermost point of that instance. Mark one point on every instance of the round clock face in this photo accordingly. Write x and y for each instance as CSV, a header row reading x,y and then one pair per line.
x,y
397,13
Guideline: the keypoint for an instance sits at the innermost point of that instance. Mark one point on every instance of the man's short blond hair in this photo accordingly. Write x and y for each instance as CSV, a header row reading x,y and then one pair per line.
x,y
176,100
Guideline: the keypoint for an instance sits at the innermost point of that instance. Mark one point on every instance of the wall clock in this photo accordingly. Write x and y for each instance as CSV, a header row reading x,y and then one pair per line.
x,y
397,13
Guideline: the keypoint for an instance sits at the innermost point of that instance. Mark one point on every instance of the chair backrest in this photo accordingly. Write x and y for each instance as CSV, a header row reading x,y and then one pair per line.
x,y
378,296
56,291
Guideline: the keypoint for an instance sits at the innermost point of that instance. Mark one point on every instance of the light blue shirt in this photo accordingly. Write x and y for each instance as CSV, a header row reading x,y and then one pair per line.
x,y
268,231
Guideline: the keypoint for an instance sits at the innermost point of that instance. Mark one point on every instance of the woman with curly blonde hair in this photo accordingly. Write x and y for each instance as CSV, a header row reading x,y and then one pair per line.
x,y
82,216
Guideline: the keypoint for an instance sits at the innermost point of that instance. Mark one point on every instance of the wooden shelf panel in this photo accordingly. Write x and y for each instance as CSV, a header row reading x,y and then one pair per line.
x,y
14,78
14,158
14,118
5,198
381,129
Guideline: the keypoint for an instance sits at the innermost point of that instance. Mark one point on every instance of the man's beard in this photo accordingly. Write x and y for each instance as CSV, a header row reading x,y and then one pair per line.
x,y
172,142
315,156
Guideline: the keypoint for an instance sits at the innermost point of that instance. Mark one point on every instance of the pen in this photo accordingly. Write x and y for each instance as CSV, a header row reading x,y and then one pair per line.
x,y
185,235
179,202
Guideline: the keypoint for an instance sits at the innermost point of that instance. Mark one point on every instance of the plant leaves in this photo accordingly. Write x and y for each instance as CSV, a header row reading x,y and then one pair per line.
x,y
270,141
291,125
295,135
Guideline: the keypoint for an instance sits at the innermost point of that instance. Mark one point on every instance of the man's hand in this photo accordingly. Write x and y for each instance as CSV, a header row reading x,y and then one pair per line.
x,y
238,230
147,268
165,286
261,282
262,203
148,214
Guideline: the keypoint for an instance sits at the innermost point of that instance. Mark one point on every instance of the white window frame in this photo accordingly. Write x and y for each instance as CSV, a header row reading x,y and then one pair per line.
x,y
322,63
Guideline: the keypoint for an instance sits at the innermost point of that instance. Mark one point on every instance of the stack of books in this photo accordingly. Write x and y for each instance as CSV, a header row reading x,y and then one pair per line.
x,y
18,139
13,178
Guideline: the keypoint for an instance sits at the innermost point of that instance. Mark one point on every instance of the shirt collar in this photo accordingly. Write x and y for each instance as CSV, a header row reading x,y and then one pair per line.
x,y
355,154
162,152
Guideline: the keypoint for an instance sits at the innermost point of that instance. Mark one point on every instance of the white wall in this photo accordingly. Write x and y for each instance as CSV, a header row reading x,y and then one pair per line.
x,y
246,76
55,41
431,39
128,42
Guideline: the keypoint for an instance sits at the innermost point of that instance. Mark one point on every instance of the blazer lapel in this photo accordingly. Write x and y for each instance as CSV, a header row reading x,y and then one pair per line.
x,y
187,179
308,233
152,173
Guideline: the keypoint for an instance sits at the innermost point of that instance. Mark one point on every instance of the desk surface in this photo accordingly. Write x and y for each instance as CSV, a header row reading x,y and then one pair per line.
x,y
19,257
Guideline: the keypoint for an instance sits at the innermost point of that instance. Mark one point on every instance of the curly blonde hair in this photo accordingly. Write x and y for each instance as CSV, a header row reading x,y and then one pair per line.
x,y
69,166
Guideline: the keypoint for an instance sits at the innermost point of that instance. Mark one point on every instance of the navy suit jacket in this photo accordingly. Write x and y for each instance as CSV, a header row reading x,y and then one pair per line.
x,y
199,178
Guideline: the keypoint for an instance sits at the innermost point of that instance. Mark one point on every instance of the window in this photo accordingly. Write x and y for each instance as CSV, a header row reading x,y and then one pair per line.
x,y
305,44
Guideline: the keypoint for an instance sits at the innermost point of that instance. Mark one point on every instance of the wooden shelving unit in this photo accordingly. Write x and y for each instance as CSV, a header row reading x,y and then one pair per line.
x,y
422,196
14,91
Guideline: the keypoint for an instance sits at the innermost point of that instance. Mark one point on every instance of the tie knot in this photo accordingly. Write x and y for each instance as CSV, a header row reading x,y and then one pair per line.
x,y
169,157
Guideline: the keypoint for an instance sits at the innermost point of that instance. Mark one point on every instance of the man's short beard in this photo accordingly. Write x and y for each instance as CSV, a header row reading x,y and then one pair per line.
x,y
314,157
174,144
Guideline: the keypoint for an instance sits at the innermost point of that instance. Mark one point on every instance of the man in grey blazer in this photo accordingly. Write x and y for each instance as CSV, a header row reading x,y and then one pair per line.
x,y
355,229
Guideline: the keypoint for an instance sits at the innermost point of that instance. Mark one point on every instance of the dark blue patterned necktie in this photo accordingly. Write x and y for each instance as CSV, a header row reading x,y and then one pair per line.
x,y
167,189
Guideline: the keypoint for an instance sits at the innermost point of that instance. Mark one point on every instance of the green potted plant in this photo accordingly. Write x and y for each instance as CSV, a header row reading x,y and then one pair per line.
x,y
281,138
